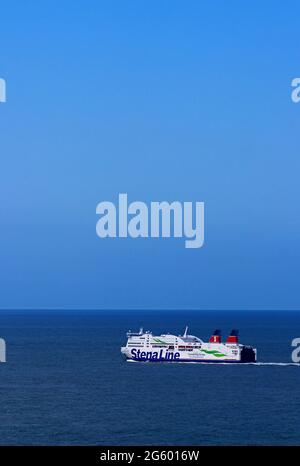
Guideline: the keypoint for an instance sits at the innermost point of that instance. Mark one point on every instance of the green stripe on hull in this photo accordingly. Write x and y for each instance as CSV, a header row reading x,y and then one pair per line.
x,y
215,353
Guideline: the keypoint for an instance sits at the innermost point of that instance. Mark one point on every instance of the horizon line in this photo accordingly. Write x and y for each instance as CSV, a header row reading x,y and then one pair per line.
x,y
145,309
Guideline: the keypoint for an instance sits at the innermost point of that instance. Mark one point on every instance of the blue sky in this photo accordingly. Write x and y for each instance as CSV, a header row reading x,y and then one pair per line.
x,y
164,100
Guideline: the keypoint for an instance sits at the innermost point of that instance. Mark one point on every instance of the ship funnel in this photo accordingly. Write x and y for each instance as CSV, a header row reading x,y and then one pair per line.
x,y
185,332
216,337
233,337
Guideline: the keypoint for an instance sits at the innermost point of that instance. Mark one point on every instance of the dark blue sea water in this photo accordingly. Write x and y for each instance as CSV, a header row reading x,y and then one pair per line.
x,y
65,382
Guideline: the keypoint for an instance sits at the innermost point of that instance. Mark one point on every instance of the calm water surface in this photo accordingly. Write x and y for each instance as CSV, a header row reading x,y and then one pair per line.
x,y
65,382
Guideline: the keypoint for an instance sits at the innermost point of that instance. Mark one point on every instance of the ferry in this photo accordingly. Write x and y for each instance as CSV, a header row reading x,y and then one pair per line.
x,y
145,347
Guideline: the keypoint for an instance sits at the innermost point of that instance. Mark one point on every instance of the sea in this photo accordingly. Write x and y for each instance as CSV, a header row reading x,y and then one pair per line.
x,y
66,383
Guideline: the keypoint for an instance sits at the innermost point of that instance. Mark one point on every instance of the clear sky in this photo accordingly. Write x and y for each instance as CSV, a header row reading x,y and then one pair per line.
x,y
164,100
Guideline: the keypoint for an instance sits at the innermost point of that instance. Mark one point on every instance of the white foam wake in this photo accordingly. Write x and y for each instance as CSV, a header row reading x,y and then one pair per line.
x,y
274,363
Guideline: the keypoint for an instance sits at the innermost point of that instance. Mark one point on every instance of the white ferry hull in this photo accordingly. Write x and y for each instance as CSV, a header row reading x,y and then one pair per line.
x,y
179,356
